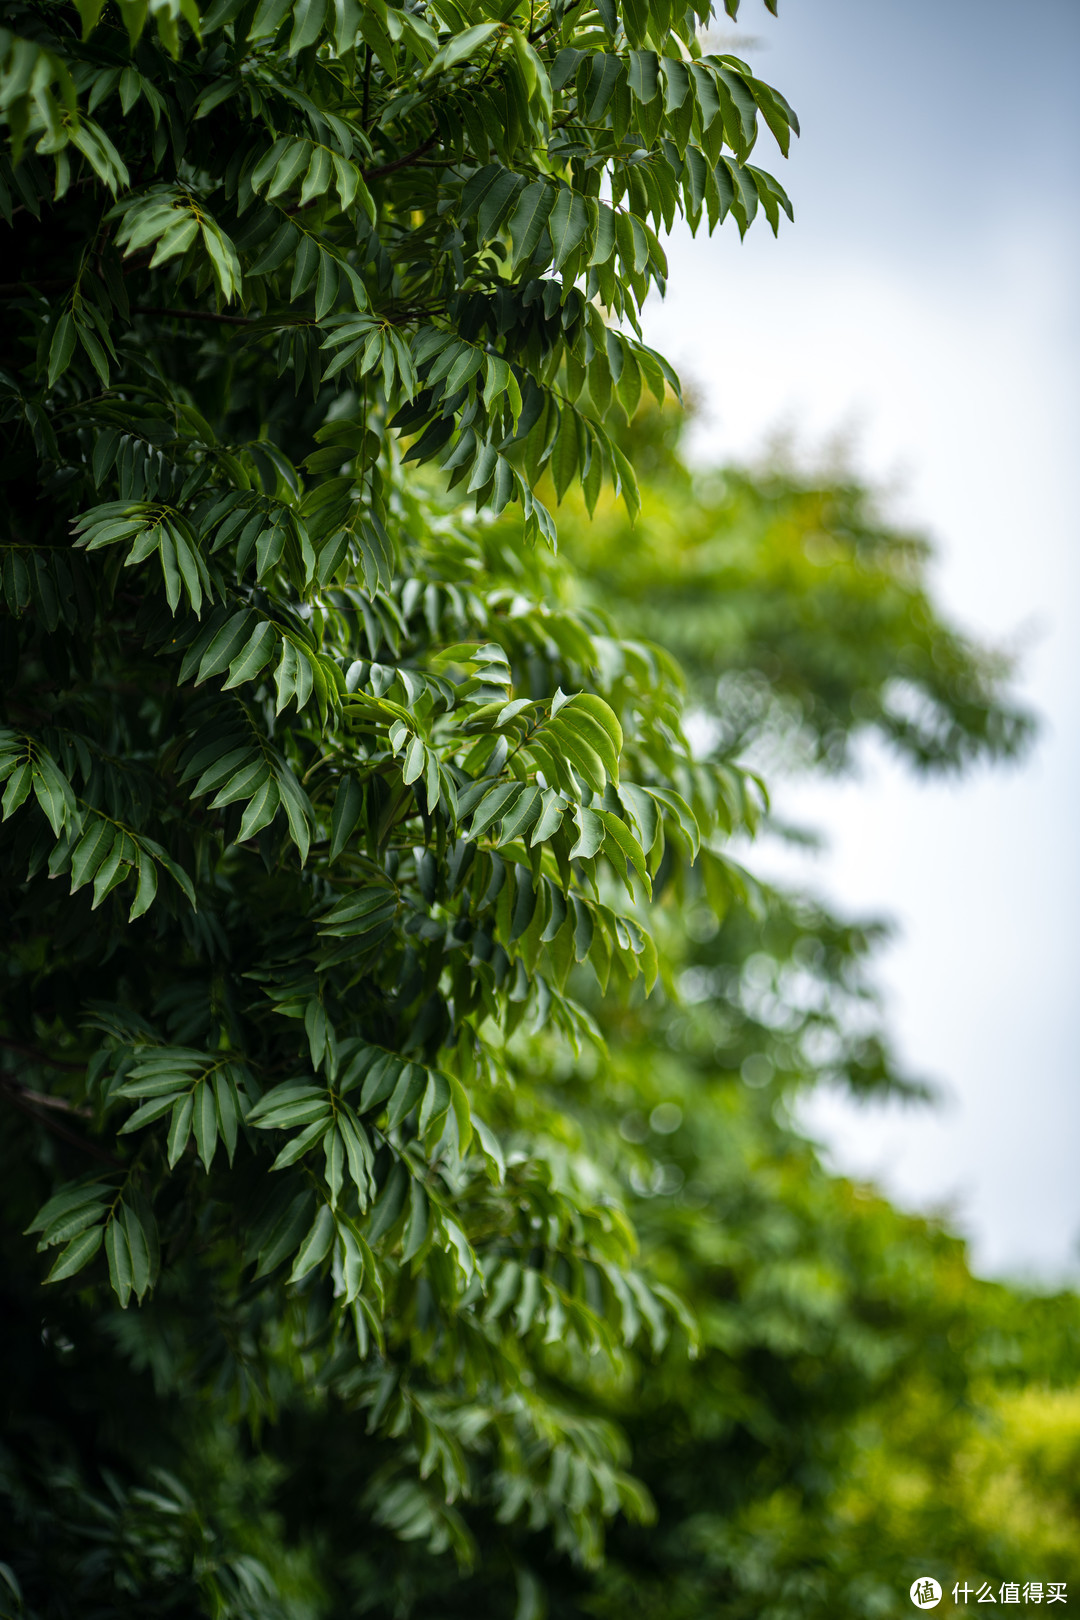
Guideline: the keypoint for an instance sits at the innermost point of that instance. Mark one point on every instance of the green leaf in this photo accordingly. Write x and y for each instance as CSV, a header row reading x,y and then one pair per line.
x,y
284,1234
309,17
568,225
348,807
566,453
604,246
492,1149
642,75
524,903
368,912
621,835
389,1203
414,760
53,793
113,869
334,1154
146,890
286,1106
406,1094
593,719
358,1154
495,803
18,788
254,656
179,1129
78,1254
571,742
316,1245
416,1228
352,1262
91,850
224,260
525,811
147,1113
205,1122
583,927
68,1199
176,239
261,810
489,195
301,1143
528,221
684,816
142,1245
463,1120
118,1255
591,832
225,646
460,48
68,1226
225,1100
62,348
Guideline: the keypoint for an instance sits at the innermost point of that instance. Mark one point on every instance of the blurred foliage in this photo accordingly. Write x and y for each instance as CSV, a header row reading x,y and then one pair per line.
x,y
800,615
862,1411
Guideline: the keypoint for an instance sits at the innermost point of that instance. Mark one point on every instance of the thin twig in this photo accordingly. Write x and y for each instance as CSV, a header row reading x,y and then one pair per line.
x,y
40,1057
402,162
41,1099
12,289
195,315
28,1102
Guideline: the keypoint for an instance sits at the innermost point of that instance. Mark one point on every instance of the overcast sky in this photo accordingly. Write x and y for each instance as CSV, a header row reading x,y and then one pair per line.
x,y
923,306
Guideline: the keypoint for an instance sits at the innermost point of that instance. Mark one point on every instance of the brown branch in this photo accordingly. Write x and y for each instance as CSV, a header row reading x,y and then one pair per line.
x,y
41,1057
41,1099
402,162
12,289
195,315
30,1101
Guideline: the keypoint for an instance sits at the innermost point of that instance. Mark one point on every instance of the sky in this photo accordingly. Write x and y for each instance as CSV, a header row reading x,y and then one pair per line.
x,y
921,310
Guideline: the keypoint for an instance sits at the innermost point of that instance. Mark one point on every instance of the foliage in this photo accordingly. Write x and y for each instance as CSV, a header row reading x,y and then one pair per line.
x,y
863,1410
338,831
809,608
303,815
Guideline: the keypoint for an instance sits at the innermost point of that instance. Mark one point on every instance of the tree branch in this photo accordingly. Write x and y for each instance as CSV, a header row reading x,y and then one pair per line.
x,y
30,1101
195,315
402,162
12,289
41,1057
41,1099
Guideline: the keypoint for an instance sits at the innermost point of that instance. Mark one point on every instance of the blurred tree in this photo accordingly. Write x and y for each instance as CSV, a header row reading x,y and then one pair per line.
x,y
798,614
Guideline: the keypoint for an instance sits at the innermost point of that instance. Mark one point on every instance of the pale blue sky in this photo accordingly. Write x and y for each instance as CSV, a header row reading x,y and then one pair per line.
x,y
923,304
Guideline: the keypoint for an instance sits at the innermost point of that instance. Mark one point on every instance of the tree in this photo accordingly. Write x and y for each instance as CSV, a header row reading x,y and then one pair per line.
x,y
301,818
323,892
